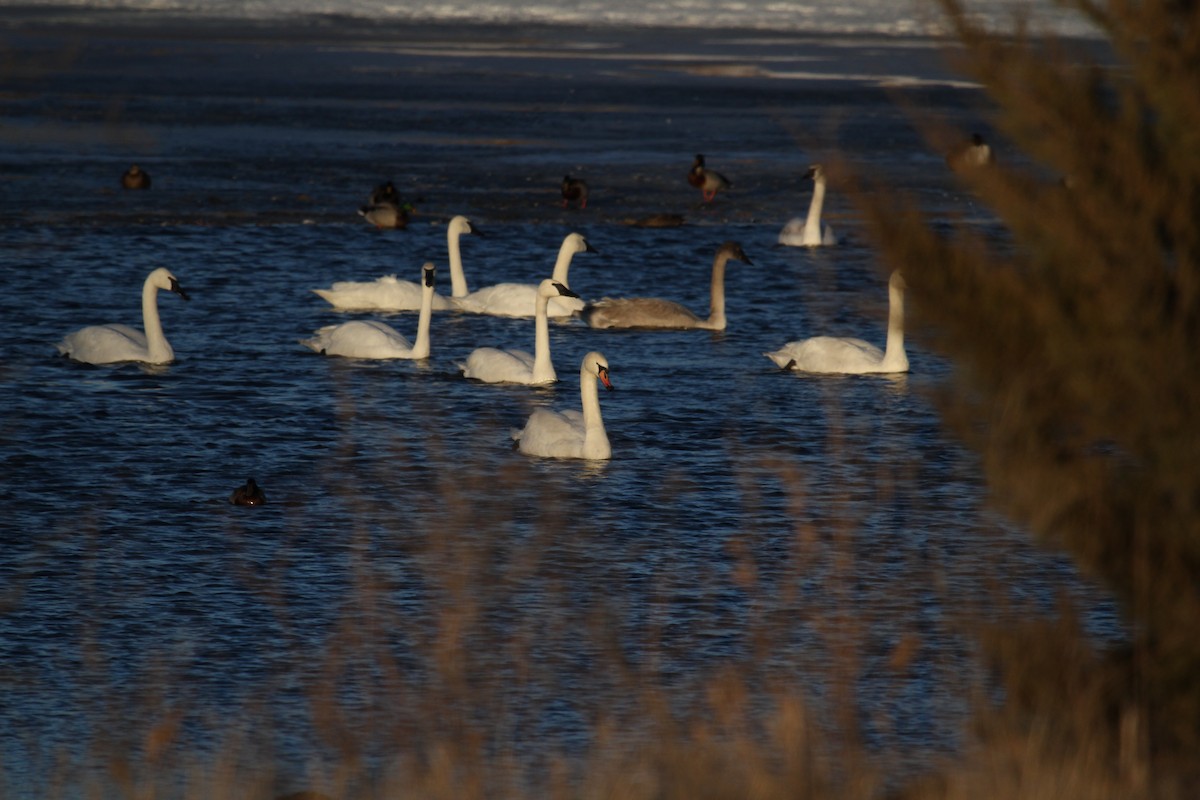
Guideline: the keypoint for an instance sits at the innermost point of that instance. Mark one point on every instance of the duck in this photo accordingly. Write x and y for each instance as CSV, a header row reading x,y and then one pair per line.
x,y
249,494
384,193
571,433
849,356
708,181
135,178
520,299
376,340
390,294
493,365
654,312
807,231
113,343
386,216
971,155
574,189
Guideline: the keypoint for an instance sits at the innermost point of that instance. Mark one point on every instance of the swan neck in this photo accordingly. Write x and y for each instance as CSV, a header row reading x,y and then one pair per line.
x,y
894,356
157,347
812,225
562,264
543,367
458,280
421,345
595,438
716,305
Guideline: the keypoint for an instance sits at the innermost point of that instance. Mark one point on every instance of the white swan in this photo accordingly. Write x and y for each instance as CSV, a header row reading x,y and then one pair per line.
x,y
571,434
807,232
654,312
852,356
492,365
108,344
372,339
389,294
519,299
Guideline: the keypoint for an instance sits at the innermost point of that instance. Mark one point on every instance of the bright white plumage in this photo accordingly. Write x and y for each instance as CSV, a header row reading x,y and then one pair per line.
x,y
571,433
113,343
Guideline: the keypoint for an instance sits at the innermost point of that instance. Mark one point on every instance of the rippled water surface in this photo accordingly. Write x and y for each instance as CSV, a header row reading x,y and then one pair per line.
x,y
748,517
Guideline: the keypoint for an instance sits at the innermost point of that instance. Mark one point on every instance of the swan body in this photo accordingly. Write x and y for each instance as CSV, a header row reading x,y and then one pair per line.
x,y
654,312
574,189
493,365
849,356
249,494
109,344
390,294
807,232
571,433
972,155
708,181
520,299
376,340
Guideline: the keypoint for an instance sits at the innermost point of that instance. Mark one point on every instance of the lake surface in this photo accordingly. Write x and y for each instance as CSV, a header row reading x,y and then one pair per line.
x,y
749,519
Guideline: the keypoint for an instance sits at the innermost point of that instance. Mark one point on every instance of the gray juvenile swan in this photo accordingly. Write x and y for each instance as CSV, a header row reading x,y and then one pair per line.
x,y
832,354
654,312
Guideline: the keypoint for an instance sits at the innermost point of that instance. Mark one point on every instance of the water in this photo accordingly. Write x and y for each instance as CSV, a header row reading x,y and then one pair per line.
x,y
749,518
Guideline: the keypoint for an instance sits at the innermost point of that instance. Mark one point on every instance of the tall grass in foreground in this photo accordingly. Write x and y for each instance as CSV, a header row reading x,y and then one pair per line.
x,y
1076,346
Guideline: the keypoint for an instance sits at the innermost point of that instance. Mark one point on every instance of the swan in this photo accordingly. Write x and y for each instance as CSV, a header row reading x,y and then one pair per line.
x,y
571,434
135,178
372,339
249,494
108,344
708,181
852,356
520,299
492,365
807,232
574,189
654,312
389,294
973,155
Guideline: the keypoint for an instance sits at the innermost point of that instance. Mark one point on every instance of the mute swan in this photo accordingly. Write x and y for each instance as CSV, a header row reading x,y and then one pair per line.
x,y
109,344
248,495
492,365
708,181
574,189
807,232
654,312
977,153
571,434
520,299
389,294
852,356
372,339
135,178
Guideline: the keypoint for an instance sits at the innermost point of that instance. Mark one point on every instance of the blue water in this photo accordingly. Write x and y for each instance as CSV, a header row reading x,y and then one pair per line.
x,y
749,518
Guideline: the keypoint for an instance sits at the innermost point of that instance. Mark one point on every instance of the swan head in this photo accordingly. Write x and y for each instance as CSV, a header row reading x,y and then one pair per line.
x,y
896,281
428,273
552,288
460,225
162,278
816,172
733,250
575,243
596,365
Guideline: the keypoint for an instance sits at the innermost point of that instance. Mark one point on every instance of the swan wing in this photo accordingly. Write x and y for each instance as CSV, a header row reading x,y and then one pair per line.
x,y
515,300
105,344
360,339
493,365
552,434
829,354
383,294
639,312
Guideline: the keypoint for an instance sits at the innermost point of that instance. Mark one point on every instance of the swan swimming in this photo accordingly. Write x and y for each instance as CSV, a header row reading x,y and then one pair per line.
x,y
493,365
109,344
571,433
850,356
373,339
708,181
654,312
520,299
389,294
807,232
